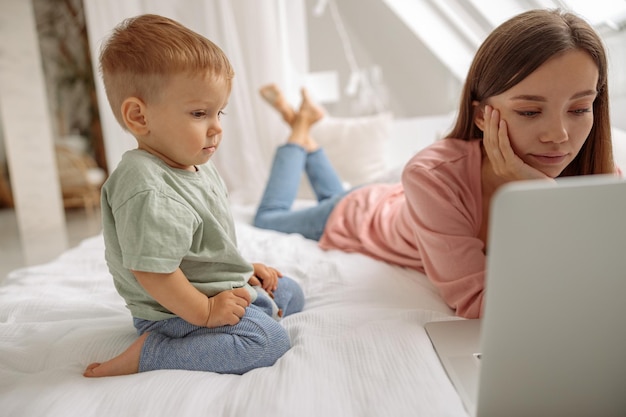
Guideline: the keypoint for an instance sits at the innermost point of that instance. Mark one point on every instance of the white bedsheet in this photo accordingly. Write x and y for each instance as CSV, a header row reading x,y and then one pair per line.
x,y
358,348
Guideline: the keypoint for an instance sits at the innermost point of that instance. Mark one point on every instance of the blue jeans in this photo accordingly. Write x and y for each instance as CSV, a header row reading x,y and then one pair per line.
x,y
275,212
256,341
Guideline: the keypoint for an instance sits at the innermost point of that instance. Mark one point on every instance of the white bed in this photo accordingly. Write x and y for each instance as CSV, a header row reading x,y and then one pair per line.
x,y
358,347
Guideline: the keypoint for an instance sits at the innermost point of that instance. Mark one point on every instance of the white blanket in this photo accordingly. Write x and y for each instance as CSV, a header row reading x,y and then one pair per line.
x,y
358,348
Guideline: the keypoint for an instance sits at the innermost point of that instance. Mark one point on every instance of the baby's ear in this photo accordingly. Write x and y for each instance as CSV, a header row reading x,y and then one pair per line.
x,y
134,116
479,115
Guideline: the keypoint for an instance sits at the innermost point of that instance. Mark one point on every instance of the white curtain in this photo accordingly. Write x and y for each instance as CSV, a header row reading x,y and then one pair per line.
x,y
265,41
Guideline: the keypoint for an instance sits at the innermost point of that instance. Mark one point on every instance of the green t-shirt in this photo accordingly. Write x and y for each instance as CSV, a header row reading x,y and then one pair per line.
x,y
157,218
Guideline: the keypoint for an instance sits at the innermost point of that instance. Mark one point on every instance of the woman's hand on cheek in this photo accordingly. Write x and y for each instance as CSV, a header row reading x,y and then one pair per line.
x,y
505,163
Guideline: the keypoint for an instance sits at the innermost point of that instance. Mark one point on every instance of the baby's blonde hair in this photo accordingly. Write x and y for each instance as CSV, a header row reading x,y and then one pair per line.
x,y
143,51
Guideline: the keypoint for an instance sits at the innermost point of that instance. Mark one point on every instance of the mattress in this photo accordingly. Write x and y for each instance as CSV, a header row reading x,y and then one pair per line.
x,y
358,348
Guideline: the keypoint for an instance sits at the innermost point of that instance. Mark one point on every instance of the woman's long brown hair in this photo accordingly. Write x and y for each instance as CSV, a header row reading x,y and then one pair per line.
x,y
517,48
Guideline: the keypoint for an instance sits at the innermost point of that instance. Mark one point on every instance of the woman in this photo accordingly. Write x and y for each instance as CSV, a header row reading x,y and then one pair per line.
x,y
534,106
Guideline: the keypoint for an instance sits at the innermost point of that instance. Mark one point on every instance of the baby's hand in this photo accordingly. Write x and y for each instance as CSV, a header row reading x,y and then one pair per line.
x,y
228,307
505,163
266,276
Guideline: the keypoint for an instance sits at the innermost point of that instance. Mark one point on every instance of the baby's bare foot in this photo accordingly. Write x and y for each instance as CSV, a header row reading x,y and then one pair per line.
x,y
125,363
272,94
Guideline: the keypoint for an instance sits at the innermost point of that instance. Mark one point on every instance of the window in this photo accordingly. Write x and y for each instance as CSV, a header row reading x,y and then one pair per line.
x,y
453,29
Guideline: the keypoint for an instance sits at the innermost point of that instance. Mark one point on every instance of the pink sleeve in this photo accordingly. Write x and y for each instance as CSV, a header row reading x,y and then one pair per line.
x,y
446,216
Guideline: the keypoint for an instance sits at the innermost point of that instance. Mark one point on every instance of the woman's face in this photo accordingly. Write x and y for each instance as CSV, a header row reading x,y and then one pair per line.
x,y
549,114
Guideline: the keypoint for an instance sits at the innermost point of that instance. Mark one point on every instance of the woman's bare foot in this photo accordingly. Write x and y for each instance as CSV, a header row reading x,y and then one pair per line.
x,y
300,136
125,363
308,114
272,94
310,110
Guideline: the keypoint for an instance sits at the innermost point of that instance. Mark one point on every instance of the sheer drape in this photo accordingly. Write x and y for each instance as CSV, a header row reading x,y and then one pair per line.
x,y
265,41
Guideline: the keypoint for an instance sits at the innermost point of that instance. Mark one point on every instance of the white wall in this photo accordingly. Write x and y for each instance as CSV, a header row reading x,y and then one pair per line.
x,y
418,83
616,45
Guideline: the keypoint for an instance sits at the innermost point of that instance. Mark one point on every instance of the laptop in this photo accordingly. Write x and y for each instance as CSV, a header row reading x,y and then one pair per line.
x,y
552,339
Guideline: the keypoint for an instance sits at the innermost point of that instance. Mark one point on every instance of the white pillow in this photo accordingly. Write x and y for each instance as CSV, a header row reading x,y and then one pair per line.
x,y
356,146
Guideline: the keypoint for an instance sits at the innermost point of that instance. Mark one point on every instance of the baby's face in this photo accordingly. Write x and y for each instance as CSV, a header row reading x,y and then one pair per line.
x,y
184,127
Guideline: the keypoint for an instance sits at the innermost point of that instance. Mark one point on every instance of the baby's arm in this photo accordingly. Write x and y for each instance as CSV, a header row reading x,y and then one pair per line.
x,y
175,292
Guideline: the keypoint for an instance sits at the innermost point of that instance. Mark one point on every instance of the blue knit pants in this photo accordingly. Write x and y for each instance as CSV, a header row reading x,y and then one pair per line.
x,y
256,341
